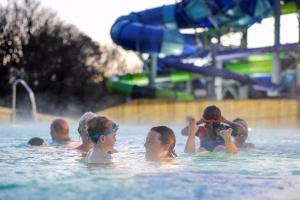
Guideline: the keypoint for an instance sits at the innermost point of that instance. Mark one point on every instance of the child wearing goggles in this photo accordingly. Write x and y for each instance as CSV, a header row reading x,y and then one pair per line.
x,y
102,131
213,131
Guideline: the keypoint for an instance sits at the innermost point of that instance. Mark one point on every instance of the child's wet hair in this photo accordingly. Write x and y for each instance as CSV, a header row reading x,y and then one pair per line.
x,y
212,112
98,124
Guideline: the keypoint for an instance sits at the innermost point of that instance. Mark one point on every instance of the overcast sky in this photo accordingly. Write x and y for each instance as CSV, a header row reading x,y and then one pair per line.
x,y
95,17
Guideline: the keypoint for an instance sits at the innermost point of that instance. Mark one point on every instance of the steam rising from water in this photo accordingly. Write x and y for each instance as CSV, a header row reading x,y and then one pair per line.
x,y
271,171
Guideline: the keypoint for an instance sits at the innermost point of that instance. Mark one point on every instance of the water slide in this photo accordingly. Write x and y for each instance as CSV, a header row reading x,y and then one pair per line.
x,y
260,67
135,91
142,79
137,85
156,31
253,65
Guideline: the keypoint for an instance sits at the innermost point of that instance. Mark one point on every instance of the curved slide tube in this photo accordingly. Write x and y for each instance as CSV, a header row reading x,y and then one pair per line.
x,y
156,30
252,66
142,79
146,92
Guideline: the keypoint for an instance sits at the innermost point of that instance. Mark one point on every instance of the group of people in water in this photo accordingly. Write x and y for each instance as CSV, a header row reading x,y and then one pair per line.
x,y
98,136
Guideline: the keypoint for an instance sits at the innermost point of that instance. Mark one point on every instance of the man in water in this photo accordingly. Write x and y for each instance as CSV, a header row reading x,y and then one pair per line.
x,y
59,131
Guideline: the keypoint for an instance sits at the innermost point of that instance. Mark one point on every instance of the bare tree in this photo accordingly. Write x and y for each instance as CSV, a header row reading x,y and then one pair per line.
x,y
53,57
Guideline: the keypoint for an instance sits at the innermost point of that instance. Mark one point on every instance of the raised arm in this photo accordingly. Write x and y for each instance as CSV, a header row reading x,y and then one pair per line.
x,y
229,144
190,146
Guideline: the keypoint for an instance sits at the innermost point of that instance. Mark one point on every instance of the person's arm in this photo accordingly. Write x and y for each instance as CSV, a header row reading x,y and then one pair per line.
x,y
184,131
190,146
229,144
240,128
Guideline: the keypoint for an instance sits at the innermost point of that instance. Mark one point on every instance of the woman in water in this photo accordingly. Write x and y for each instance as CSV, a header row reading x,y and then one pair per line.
x,y
87,144
160,144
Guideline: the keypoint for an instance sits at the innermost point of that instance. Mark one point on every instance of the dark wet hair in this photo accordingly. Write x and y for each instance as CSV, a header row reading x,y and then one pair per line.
x,y
36,141
167,136
98,124
212,112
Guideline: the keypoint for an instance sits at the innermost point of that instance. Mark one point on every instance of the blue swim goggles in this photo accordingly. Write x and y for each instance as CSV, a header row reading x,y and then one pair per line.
x,y
95,136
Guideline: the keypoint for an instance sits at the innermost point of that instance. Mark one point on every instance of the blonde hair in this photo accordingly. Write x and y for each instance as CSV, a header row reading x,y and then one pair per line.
x,y
83,125
98,124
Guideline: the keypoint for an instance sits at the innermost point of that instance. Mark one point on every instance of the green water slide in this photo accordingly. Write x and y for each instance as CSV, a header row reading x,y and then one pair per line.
x,y
142,79
136,91
260,64
289,7
254,65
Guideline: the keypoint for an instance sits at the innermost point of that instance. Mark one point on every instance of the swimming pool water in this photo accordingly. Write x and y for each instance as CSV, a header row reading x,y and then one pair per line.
x,y
271,171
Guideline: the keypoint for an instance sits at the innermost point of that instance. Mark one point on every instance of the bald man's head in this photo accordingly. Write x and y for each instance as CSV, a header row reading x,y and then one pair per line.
x,y
59,130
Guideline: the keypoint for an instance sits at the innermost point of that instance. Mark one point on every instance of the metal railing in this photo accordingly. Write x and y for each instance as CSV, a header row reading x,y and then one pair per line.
x,y
31,96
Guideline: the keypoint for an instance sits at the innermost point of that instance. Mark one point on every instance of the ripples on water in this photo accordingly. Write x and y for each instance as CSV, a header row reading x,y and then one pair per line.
x,y
271,171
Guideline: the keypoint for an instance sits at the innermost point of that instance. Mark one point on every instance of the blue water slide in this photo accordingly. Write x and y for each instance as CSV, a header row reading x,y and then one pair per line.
x,y
157,30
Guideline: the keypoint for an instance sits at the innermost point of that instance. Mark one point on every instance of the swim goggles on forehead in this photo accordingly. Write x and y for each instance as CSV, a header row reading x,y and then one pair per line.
x,y
105,133
212,120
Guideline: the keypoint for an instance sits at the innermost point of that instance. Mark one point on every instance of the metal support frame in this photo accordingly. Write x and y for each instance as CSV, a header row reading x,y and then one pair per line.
x,y
14,98
276,67
219,82
153,70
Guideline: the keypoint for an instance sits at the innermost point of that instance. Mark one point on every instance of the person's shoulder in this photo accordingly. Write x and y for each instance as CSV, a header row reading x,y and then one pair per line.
x,y
113,151
72,144
97,157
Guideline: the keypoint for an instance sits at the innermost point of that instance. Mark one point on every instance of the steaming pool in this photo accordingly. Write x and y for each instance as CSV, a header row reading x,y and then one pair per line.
x,y
271,171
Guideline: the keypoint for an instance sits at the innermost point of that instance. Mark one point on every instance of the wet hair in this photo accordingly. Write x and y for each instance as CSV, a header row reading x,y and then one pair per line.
x,y
167,136
212,112
98,124
36,141
83,125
